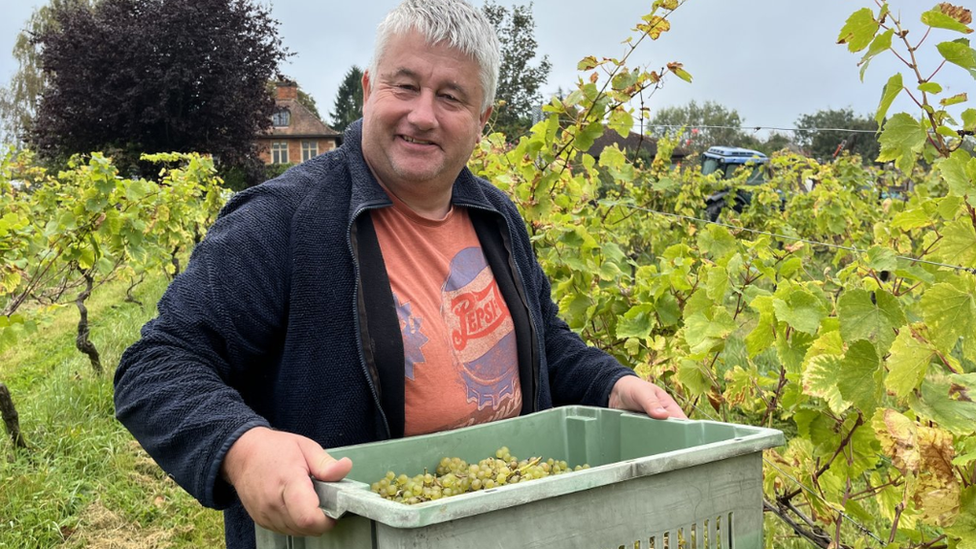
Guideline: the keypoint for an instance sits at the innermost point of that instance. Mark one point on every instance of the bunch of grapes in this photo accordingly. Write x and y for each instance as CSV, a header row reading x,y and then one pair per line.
x,y
455,476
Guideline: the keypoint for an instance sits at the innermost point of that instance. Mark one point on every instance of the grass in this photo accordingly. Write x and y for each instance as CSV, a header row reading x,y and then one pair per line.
x,y
84,481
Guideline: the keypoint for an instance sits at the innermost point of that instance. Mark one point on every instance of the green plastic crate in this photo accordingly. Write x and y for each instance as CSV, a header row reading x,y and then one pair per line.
x,y
671,484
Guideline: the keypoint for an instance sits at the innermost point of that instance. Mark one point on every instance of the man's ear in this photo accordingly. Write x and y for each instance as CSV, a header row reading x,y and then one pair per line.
x,y
366,89
484,116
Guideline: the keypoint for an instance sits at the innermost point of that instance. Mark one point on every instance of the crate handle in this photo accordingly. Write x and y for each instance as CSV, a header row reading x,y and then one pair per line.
x,y
333,496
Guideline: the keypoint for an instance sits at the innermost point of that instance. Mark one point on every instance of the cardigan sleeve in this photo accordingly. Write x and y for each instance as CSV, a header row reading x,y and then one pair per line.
x,y
179,388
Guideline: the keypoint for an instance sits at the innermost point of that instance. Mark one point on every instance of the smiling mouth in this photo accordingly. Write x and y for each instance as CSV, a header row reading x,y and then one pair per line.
x,y
416,141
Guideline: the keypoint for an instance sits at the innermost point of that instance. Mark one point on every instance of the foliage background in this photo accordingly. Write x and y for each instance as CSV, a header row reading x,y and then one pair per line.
x,y
843,315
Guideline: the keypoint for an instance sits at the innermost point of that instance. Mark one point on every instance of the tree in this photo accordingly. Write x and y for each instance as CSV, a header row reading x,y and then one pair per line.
x,y
518,80
775,142
133,76
821,139
348,105
705,125
18,100
308,102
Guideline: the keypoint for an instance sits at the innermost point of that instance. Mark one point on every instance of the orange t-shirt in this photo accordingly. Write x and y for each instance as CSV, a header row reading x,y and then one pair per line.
x,y
460,355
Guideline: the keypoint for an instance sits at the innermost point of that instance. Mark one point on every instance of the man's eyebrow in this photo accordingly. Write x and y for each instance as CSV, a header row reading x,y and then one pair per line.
x,y
404,72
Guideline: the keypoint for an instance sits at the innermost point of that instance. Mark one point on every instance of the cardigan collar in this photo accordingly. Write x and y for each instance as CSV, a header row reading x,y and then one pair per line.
x,y
367,192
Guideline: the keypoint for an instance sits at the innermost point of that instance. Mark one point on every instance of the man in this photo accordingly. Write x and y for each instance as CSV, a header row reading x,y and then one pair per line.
x,y
377,291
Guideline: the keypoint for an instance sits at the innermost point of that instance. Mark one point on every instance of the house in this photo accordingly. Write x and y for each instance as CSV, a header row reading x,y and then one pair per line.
x,y
296,134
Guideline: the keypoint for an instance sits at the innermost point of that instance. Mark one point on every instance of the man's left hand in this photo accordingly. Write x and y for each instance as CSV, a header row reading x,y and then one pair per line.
x,y
634,394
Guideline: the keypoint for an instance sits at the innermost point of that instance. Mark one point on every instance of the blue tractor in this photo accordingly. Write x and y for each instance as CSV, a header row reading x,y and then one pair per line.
x,y
728,161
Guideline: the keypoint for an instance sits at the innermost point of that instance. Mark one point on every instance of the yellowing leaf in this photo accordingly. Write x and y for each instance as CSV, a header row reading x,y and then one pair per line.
x,y
938,491
908,363
964,528
950,313
859,30
948,17
655,26
897,435
958,246
820,368
587,63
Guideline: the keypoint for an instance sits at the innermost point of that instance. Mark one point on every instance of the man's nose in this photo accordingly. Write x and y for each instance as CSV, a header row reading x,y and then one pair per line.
x,y
423,113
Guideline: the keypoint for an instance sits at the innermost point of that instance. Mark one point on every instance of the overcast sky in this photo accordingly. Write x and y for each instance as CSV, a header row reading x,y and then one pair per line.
x,y
771,60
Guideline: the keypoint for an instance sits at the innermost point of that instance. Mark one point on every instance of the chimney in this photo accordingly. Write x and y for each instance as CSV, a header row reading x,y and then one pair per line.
x,y
287,90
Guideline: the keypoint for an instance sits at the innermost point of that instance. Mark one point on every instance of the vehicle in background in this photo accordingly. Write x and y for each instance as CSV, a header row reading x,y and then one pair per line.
x,y
728,161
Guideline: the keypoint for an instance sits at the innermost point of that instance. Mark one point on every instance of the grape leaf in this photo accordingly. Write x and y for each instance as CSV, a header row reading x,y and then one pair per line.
x,y
965,526
958,246
948,401
959,53
888,95
935,18
793,350
959,171
801,310
950,313
897,435
881,43
716,241
763,335
860,379
859,30
912,218
908,363
820,370
704,334
860,318
882,259
637,322
969,119
716,284
903,137
938,491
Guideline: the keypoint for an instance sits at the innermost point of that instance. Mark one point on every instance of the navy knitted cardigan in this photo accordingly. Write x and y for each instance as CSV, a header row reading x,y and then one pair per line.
x,y
263,328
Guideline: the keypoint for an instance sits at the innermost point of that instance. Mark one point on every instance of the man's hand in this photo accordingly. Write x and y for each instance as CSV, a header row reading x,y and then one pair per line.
x,y
634,394
271,472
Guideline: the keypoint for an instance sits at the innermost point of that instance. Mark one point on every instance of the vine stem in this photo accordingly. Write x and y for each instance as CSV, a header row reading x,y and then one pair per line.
x,y
843,444
894,523
767,420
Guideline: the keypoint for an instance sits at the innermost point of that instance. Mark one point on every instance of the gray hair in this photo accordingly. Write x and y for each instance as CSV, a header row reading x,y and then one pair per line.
x,y
462,26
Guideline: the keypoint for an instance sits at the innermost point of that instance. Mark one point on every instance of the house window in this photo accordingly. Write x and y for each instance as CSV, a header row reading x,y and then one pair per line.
x,y
309,150
279,152
281,117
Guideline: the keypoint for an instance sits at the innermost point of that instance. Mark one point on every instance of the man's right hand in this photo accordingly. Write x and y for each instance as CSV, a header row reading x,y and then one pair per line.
x,y
272,470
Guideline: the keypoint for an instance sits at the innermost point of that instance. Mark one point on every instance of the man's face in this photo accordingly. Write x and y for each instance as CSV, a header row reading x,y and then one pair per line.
x,y
421,115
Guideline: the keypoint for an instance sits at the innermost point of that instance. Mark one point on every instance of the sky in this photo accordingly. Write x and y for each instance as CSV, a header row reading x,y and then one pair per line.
x,y
770,60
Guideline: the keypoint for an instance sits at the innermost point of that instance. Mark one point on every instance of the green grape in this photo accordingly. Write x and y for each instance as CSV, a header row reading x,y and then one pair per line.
x,y
454,476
